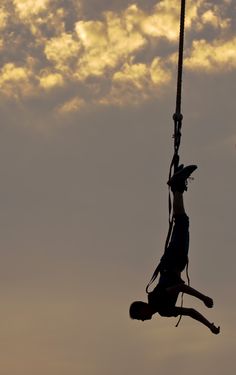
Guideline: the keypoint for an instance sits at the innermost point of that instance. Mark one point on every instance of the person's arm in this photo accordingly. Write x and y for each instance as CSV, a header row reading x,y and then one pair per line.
x,y
194,314
192,292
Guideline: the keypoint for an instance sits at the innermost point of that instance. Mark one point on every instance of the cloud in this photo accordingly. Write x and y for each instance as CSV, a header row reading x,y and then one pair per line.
x,y
72,105
164,22
212,57
3,18
106,44
62,50
15,81
117,58
135,82
50,80
27,8
212,18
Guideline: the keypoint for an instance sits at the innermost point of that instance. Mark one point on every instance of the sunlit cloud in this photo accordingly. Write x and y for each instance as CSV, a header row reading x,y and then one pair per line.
x,y
3,18
159,74
213,18
135,73
15,81
106,45
72,105
128,85
116,58
61,51
212,57
49,81
27,8
167,25
135,82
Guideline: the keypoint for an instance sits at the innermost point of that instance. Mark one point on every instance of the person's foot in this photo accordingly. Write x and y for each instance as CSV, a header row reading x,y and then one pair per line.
x,y
179,168
214,329
178,182
208,302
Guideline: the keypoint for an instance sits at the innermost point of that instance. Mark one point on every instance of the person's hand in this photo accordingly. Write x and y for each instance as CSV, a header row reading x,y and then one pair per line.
x,y
214,329
208,302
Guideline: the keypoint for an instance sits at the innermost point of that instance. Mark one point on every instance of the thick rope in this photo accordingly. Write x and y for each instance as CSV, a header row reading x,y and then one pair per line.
x,y
180,62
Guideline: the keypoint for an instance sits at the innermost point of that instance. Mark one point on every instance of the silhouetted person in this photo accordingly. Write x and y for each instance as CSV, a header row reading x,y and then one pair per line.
x,y
163,298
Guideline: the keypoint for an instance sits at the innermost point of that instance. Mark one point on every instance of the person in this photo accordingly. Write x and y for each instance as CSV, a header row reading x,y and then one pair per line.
x,y
163,298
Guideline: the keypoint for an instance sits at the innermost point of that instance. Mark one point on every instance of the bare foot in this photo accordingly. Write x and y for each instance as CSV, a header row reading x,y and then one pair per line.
x,y
214,329
208,302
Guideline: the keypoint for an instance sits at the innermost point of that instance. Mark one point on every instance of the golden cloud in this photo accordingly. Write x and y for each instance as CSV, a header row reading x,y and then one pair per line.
x,y
61,50
3,18
141,75
105,44
28,8
211,17
15,81
135,82
135,73
40,16
72,105
159,74
92,34
51,80
163,22
212,57
166,25
117,59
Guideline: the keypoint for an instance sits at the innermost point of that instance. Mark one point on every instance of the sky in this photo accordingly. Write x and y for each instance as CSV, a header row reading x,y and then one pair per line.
x,y
87,94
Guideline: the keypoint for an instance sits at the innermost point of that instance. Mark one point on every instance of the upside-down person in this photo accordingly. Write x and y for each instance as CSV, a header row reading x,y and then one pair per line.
x,y
163,298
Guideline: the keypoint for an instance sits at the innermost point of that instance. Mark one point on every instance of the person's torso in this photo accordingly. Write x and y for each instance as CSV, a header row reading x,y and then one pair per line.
x,y
160,300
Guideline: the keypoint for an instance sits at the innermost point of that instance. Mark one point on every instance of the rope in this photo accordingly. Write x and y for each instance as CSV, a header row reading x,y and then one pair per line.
x,y
180,62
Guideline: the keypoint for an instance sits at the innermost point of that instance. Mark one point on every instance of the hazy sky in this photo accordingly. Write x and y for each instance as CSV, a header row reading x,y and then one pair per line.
x,y
87,94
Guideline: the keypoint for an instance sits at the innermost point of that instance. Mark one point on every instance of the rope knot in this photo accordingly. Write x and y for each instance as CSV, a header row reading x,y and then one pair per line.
x,y
177,117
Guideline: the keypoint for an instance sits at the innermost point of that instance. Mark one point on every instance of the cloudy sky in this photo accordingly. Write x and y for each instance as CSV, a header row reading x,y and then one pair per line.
x,y
87,94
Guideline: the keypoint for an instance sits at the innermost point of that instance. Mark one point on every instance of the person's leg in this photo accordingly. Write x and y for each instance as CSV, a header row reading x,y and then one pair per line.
x,y
175,257
178,203
194,314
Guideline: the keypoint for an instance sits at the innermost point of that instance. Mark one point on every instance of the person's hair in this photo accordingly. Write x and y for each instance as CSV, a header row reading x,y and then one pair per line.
x,y
136,309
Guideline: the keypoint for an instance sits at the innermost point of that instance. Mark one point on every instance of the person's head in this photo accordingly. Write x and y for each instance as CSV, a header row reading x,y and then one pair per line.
x,y
140,310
